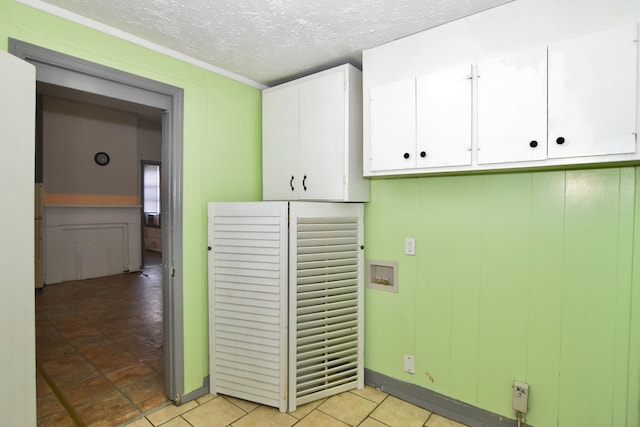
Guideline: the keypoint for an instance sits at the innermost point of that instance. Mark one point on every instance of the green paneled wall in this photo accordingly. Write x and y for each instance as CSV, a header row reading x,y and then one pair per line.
x,y
524,276
222,137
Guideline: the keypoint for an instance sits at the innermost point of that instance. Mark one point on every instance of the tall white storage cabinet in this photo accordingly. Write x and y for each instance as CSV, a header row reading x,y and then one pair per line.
x,y
285,300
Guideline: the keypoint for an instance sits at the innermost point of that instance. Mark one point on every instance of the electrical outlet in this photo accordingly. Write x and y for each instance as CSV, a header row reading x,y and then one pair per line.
x,y
409,364
520,397
410,246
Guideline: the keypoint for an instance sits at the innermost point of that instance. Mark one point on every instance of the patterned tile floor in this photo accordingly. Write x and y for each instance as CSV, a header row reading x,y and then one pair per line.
x,y
99,353
364,408
100,363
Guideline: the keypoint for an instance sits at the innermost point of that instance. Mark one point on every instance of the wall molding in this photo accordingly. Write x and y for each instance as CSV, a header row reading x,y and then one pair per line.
x,y
436,402
197,393
123,35
91,199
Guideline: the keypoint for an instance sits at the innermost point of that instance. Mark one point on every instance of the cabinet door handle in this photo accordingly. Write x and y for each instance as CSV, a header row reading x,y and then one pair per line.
x,y
304,183
291,183
560,140
406,155
423,154
533,144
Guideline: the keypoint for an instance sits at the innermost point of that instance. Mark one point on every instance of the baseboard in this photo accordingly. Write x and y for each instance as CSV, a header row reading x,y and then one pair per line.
x,y
436,402
199,392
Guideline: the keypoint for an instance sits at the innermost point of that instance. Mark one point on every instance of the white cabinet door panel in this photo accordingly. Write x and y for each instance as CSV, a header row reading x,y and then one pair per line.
x,y
18,355
280,129
325,300
248,301
592,94
393,126
443,123
512,107
322,136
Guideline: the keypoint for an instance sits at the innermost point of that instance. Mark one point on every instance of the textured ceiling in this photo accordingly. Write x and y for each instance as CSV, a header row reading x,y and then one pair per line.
x,y
270,41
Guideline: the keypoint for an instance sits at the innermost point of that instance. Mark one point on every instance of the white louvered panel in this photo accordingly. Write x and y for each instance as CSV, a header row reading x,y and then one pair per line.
x,y
247,267
325,301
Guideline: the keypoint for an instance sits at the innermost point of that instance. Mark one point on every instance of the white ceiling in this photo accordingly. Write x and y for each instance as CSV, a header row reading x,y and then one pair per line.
x,y
270,41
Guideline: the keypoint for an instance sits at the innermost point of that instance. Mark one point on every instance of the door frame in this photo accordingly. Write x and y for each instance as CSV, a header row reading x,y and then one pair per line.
x,y
68,71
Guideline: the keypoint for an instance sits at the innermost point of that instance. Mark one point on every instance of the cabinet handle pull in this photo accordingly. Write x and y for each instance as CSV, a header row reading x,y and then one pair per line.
x,y
406,155
560,140
304,183
533,144
291,183
423,154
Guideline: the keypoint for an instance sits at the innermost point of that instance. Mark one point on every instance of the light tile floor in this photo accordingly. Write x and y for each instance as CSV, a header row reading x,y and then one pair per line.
x,y
364,408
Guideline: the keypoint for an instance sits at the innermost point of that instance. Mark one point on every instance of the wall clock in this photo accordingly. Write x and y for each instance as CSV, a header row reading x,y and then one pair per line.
x,y
101,158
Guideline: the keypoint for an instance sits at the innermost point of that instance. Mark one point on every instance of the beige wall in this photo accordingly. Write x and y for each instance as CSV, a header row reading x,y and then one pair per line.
x,y
149,140
72,134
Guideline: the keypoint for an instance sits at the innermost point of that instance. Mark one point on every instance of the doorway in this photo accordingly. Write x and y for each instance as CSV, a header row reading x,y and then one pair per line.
x,y
74,73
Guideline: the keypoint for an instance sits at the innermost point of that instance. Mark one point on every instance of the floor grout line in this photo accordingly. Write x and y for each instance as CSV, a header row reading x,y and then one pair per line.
x,y
63,401
68,339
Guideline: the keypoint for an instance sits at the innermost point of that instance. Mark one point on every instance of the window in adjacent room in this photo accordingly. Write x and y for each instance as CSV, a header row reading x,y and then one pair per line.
x,y
151,194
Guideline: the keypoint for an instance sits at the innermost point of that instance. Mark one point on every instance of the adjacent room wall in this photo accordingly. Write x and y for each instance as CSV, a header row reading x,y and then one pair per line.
x,y
149,139
73,132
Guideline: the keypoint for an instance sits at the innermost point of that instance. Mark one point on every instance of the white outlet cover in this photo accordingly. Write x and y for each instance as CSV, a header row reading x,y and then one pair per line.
x,y
410,246
409,364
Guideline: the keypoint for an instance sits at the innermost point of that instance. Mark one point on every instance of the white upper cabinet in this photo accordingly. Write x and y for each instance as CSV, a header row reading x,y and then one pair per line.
x,y
280,133
312,138
393,126
443,125
592,94
423,122
512,107
322,120
570,102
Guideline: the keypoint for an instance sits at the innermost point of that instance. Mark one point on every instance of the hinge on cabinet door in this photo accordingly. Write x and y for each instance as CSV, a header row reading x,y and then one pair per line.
x,y
173,272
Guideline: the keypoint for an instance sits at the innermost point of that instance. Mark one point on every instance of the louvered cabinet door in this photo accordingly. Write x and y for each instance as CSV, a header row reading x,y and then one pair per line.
x,y
325,300
248,301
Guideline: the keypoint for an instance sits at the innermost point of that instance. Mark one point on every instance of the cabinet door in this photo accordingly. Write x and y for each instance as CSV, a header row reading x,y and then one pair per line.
x,y
392,137
322,137
592,94
325,300
443,124
512,107
248,301
280,133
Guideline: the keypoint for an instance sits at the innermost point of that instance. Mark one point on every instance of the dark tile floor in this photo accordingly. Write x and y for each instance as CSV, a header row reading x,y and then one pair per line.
x,y
99,348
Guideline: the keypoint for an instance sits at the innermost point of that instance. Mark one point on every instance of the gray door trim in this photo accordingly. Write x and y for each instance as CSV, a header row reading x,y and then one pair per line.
x,y
68,71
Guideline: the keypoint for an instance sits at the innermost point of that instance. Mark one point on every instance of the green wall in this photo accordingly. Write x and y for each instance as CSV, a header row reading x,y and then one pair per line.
x,y
525,276
222,137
